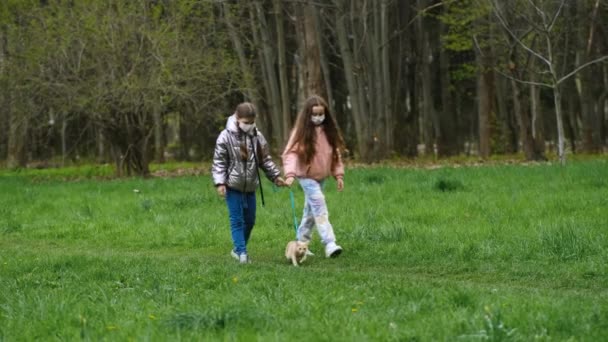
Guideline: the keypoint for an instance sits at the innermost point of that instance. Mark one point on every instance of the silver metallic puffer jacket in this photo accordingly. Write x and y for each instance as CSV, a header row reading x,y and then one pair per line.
x,y
228,167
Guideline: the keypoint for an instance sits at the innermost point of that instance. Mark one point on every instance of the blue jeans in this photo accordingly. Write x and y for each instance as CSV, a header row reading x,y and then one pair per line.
x,y
241,209
315,212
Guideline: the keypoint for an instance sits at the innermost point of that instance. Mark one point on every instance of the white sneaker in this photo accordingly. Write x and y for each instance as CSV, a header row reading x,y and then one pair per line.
x,y
332,250
234,255
244,259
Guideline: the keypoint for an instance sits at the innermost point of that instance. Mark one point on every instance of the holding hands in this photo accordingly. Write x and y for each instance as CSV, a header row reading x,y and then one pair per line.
x,y
289,181
279,181
340,183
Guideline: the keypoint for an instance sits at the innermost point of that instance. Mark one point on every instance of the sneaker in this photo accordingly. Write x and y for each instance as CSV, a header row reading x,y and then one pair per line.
x,y
332,250
234,255
244,259
309,253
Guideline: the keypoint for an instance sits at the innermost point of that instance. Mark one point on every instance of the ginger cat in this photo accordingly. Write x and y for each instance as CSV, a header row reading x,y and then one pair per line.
x,y
296,252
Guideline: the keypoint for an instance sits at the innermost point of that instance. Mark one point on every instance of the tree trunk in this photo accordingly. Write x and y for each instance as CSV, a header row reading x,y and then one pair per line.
x,y
324,60
521,107
268,60
159,148
584,82
447,142
370,80
362,61
557,98
285,112
4,97
313,73
386,76
17,134
485,111
101,146
406,115
426,99
603,103
300,60
129,134
380,101
508,135
571,117
351,83
538,131
64,147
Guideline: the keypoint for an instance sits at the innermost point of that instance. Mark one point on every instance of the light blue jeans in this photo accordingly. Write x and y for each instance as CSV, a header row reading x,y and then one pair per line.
x,y
315,212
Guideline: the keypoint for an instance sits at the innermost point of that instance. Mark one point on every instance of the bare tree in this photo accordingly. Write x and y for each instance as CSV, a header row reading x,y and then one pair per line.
x,y
543,25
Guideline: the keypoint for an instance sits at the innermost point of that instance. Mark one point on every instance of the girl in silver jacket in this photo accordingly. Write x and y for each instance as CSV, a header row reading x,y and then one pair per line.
x,y
239,150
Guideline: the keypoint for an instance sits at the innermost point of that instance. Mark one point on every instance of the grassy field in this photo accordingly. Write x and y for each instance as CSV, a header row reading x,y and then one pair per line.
x,y
493,253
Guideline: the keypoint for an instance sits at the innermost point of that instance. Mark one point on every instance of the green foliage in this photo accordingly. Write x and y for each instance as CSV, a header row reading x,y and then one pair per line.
x,y
461,17
464,71
112,64
511,253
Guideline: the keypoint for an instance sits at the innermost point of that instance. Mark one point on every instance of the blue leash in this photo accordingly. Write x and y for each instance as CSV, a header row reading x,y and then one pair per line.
x,y
293,210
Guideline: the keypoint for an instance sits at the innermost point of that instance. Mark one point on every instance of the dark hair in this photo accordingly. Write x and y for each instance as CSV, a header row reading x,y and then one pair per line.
x,y
245,110
304,131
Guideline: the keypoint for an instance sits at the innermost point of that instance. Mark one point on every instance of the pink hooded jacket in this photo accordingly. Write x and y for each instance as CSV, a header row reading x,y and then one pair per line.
x,y
320,167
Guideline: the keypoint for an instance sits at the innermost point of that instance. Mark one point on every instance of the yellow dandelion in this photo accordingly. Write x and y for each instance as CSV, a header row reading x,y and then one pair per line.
x,y
235,280
151,316
354,310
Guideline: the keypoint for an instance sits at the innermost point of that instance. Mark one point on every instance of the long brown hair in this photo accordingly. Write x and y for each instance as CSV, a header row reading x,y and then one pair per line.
x,y
304,131
245,110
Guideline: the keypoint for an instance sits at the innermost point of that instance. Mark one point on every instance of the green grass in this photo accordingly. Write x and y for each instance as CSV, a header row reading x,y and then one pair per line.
x,y
496,253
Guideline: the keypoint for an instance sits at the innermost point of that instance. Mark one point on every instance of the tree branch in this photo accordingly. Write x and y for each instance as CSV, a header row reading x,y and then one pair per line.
x,y
538,10
561,5
522,81
573,72
506,27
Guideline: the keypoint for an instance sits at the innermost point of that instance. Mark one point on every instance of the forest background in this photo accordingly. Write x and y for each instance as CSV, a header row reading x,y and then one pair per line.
x,y
132,82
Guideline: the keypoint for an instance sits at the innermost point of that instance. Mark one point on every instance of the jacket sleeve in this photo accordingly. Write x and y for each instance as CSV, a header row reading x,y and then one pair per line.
x,y
265,160
221,160
290,158
338,170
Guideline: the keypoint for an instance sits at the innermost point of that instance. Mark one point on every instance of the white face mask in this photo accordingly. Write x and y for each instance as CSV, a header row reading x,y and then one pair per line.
x,y
317,120
246,127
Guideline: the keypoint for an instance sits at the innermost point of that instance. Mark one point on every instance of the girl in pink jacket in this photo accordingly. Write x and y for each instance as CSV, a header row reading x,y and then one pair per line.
x,y
312,155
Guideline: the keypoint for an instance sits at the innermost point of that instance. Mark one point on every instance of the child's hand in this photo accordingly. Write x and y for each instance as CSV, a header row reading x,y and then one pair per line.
x,y
340,184
289,181
279,181
221,190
